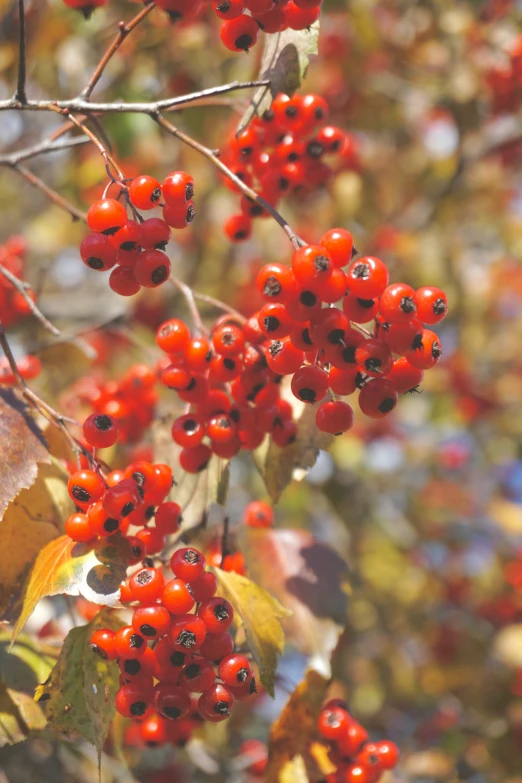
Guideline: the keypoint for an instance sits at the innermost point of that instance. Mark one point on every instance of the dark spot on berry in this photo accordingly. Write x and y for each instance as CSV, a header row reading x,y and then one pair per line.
x,y
148,562
321,263
235,415
103,423
192,671
292,157
314,148
136,641
439,307
138,709
80,494
335,146
95,263
387,405
161,245
283,183
355,252
221,612
240,235
191,556
147,630
191,214
408,305
229,364
144,577
171,712
186,639
276,348
361,271
191,384
137,551
242,675
268,116
417,342
110,525
127,509
109,232
244,42
247,151
307,395
221,708
373,364
189,191
177,659
253,686
308,299
291,111
149,513
160,274
336,336
271,323
436,350
256,210
319,113
155,195
127,246
190,425
272,286
348,354
366,304
99,651
131,667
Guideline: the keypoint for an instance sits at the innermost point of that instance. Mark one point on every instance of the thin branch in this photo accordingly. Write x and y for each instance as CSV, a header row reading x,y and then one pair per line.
x,y
51,194
109,160
210,300
23,288
84,106
20,95
43,148
122,34
189,297
296,241
225,543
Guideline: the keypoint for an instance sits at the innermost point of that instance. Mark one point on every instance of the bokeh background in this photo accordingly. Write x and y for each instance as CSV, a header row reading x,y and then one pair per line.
x,y
426,506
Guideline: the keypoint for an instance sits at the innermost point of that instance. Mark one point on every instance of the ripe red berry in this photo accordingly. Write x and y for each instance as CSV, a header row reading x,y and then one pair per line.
x,y
404,376
333,722
155,234
367,277
214,648
168,518
275,321
122,499
103,644
101,523
351,739
300,18
97,252
101,431
216,703
398,303
85,487
339,243
235,670
145,192
152,268
123,282
176,597
377,398
179,217
217,614
129,644
204,588
311,265
198,676
228,9
187,633
258,514
361,311
334,417
195,459
187,564
132,700
78,528
228,340
171,701
173,336
146,585
151,621
239,34
106,216
283,357
238,227
276,283
310,384
426,352
432,305
178,189
374,357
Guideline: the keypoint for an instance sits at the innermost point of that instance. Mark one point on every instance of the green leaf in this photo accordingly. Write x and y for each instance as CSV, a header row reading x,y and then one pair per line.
x,y
27,663
285,61
278,466
18,716
35,517
79,693
63,566
260,614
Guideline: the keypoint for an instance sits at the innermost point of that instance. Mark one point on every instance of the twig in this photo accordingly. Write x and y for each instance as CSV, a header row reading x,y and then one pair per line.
x,y
296,241
55,197
210,300
225,541
20,95
80,105
23,288
188,294
43,148
122,34
109,160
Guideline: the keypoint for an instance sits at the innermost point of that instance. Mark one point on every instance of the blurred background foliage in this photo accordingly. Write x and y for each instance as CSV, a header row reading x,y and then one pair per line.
x,y
426,506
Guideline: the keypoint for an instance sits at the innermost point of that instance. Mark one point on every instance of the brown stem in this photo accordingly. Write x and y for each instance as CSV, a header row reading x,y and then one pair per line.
x,y
23,288
296,241
43,148
189,297
51,194
109,160
123,32
20,95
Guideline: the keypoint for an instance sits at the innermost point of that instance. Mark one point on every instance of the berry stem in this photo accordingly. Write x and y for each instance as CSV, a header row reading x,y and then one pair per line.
x,y
20,95
210,300
296,241
188,294
23,288
123,32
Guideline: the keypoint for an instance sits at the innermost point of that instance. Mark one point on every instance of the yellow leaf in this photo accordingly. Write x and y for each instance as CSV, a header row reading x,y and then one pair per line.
x,y
79,693
33,519
18,715
294,771
261,614
94,571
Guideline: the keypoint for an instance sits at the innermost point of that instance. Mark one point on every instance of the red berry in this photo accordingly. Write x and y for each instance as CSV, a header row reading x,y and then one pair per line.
x,y
106,216
426,352
339,244
238,228
187,633
432,305
101,431
103,644
85,487
132,700
239,34
214,648
151,621
398,303
146,585
276,282
187,564
217,614
78,528
334,417
152,268
178,189
145,192
170,701
377,398
97,252
123,282
173,336
367,277
176,597
129,644
235,670
195,459
310,384
374,357
197,676
168,518
204,588
258,514
311,265
216,703
404,377
155,234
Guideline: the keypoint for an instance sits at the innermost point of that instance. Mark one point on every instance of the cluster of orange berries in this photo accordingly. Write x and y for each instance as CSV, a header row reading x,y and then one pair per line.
x,y
286,150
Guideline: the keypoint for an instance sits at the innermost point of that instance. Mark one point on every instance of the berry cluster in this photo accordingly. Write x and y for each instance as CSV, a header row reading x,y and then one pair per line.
x,y
233,396
134,248
326,348
241,19
130,400
280,153
125,501
191,651
357,759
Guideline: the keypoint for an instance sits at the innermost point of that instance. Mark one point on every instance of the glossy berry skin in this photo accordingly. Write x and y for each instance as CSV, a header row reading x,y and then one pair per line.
x,y
217,614
187,564
398,303
101,431
195,459
178,189
155,234
97,252
228,340
427,353
123,282
215,648
377,398
122,499
388,754
283,357
239,34
367,277
235,670
132,700
276,282
402,337
78,528
168,518
311,264
103,644
333,722
334,417
106,216
216,703
176,597
187,633
352,738
329,327
238,228
228,9
129,644
198,677
172,336
339,243
85,487
432,305
152,540
258,514
151,621
358,773
146,585
374,357
310,384
275,320
404,377
101,523
361,311
145,192
179,217
170,701
152,268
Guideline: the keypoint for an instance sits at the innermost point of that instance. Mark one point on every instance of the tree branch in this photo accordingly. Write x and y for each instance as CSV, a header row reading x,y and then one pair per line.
x,y
122,34
85,106
20,96
296,241
44,147
60,201
23,288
